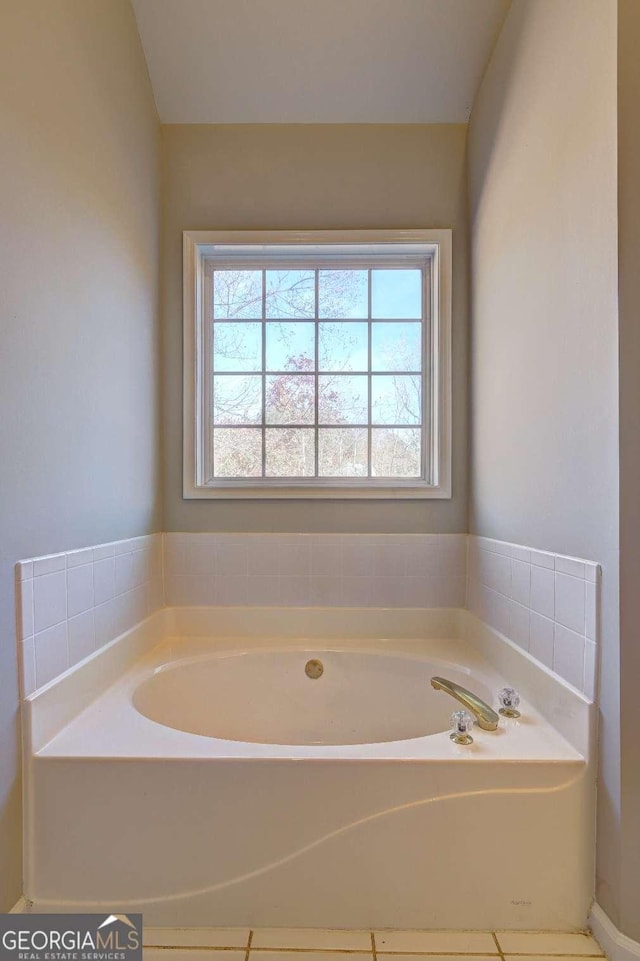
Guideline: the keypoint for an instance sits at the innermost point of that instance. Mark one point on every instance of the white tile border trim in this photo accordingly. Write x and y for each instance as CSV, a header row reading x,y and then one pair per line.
x,y
616,945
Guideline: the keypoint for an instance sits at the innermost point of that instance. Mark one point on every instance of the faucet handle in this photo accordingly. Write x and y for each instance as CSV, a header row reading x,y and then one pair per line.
x,y
462,723
509,702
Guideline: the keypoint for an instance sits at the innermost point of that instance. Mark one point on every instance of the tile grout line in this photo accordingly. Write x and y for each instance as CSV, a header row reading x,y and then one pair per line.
x,y
435,954
414,954
495,938
373,947
191,947
313,950
361,951
249,940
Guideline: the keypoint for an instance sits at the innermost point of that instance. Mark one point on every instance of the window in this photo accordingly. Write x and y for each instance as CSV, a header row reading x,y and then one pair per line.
x,y
317,364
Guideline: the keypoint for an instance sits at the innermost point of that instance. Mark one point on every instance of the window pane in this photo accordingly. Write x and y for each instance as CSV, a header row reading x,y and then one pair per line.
x,y
291,346
342,452
237,400
342,399
290,399
290,452
237,346
395,452
396,399
396,347
343,347
237,453
291,293
396,293
343,293
237,293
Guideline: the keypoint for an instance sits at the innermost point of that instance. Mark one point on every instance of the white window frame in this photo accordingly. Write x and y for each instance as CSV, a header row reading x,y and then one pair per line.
x,y
198,245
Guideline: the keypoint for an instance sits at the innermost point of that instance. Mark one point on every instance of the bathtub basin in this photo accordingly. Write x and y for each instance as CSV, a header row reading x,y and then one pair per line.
x,y
267,697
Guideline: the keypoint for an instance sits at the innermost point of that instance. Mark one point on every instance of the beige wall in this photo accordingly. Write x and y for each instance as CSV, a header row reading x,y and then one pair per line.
x,y
79,336
544,374
79,343
629,254
314,177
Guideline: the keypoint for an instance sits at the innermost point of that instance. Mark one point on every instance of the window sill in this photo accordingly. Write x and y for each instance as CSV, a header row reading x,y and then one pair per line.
x,y
404,492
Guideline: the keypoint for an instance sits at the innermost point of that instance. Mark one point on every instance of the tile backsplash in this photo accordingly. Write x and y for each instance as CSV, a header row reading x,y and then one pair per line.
x,y
72,604
545,603
326,570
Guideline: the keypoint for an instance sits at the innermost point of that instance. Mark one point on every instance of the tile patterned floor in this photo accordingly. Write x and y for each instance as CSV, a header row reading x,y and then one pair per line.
x,y
282,944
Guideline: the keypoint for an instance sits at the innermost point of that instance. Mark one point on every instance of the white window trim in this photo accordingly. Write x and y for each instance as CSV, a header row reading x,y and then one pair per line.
x,y
196,245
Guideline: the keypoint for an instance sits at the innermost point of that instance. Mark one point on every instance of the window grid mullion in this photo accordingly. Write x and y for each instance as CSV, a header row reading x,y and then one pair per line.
x,y
316,364
321,427
307,320
324,373
264,374
206,402
369,366
427,453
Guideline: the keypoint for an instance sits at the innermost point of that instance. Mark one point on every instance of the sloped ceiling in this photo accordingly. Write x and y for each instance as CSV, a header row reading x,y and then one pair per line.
x,y
317,61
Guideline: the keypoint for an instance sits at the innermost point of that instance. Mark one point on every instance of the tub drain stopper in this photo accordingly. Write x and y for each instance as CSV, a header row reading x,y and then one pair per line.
x,y
314,669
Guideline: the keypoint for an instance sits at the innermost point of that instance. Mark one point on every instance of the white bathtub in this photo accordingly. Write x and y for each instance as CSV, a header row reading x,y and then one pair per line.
x,y
212,785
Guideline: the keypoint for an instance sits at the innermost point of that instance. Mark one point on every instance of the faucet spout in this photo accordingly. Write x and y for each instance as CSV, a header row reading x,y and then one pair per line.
x,y
485,716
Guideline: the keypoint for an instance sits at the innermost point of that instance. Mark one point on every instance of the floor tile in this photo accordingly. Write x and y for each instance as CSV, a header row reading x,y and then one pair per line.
x,y
306,955
544,943
440,957
191,954
545,957
319,939
196,937
435,942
